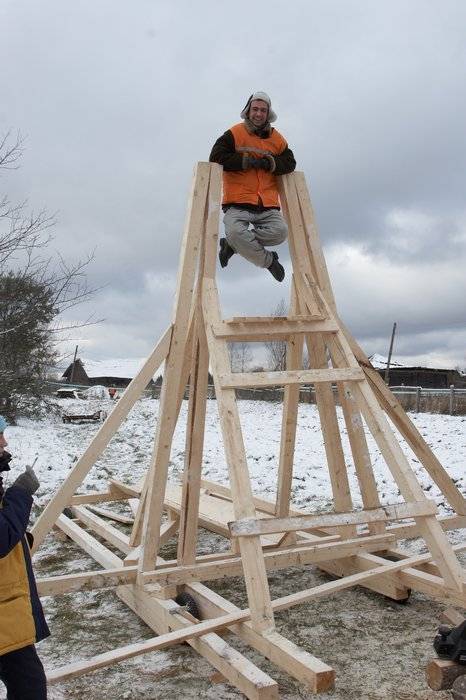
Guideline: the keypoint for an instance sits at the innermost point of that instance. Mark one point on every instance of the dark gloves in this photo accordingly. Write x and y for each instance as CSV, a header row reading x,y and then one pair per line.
x,y
260,163
27,481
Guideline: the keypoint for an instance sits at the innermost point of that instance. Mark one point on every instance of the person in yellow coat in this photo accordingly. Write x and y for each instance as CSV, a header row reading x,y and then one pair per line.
x,y
253,155
22,621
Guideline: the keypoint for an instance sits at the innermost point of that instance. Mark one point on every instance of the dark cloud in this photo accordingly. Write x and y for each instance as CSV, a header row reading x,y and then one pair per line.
x,y
119,101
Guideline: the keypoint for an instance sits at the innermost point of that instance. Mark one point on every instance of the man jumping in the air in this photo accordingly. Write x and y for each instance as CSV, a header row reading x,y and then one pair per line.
x,y
253,153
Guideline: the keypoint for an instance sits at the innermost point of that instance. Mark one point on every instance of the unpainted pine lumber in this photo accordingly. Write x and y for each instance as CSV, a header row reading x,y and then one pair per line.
x,y
251,527
318,676
239,380
96,497
89,544
410,488
112,515
275,330
194,446
251,551
163,615
158,469
87,581
101,439
168,639
135,539
331,433
294,360
295,555
102,528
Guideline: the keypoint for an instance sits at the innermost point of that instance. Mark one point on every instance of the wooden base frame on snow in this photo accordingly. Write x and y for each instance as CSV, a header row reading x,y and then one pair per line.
x,y
360,546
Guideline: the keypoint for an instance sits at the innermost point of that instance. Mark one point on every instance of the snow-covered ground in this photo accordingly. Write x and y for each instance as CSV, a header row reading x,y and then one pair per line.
x,y
379,649
56,446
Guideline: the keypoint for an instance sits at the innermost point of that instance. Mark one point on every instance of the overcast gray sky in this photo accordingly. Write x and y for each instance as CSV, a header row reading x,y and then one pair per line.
x,y
119,100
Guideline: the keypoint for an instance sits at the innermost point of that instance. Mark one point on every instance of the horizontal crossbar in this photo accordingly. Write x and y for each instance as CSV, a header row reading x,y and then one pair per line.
x,y
251,527
165,640
259,332
310,376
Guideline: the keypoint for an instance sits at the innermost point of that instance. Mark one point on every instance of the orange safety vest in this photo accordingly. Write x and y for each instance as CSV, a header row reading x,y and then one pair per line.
x,y
253,186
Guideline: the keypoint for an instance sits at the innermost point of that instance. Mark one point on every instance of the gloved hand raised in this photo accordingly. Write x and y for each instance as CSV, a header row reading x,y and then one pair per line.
x,y
27,481
260,163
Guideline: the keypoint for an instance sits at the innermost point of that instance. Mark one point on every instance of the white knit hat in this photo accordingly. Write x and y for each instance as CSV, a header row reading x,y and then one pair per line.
x,y
265,98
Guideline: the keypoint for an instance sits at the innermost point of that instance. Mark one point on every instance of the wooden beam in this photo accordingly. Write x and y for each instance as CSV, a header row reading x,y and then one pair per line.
x,y
251,551
100,440
243,380
109,533
112,515
259,332
162,642
96,497
165,615
89,544
253,527
306,668
184,302
298,555
87,581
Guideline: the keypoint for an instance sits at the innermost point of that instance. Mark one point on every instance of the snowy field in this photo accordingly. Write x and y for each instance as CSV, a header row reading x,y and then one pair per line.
x,y
88,623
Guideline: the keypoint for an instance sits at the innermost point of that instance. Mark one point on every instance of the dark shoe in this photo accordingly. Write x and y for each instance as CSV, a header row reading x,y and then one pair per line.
x,y
276,269
225,253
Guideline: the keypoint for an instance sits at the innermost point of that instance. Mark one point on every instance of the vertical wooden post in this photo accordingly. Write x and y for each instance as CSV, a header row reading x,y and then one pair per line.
x,y
168,401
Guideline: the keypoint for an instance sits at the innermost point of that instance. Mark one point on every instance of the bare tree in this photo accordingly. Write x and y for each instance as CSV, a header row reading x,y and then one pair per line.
x,y
240,356
20,230
34,292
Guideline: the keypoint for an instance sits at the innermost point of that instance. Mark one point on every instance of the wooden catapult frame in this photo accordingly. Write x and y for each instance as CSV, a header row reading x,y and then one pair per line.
x,y
358,546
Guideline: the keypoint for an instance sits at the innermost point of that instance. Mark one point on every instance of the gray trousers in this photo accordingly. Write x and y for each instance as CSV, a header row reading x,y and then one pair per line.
x,y
268,229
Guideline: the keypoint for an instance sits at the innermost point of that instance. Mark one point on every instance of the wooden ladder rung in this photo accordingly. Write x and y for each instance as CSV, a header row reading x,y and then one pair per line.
x,y
267,379
260,330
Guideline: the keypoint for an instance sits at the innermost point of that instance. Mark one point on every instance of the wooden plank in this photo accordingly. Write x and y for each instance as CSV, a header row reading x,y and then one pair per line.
x,y
407,483
250,527
96,497
347,582
87,581
294,361
129,490
213,219
112,515
173,367
274,331
164,615
109,533
100,441
251,551
170,638
89,544
331,433
194,446
268,379
306,668
296,555
109,658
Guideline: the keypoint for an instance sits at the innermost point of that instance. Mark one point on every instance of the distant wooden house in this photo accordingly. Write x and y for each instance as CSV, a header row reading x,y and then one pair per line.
x,y
111,373
425,377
